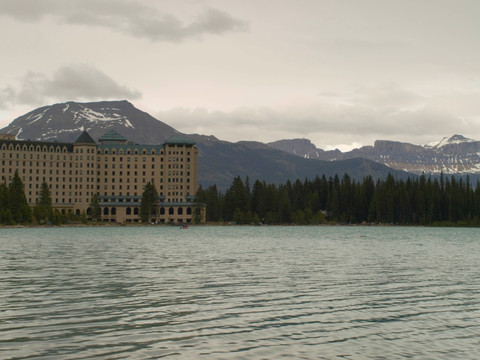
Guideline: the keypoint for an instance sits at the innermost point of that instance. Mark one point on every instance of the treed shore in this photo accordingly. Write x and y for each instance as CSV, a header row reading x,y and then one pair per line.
x,y
421,201
424,201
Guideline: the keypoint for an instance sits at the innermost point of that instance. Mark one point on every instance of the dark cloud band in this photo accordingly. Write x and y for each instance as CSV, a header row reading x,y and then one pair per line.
x,y
128,17
74,82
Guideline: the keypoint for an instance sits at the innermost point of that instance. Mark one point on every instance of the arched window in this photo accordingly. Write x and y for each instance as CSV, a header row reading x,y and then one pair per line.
x,y
170,211
162,211
77,212
105,211
189,211
135,211
180,211
128,211
113,211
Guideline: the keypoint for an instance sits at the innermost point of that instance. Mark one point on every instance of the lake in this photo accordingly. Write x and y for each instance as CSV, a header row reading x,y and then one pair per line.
x,y
240,293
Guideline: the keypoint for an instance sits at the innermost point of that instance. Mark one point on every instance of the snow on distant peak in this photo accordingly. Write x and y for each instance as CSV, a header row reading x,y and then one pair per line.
x,y
92,116
455,139
442,142
458,139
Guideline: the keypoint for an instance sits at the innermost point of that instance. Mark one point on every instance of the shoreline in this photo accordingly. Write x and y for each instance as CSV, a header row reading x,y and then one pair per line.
x,y
227,224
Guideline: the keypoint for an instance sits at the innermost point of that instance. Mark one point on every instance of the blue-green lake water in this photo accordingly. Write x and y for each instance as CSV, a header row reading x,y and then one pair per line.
x,y
240,293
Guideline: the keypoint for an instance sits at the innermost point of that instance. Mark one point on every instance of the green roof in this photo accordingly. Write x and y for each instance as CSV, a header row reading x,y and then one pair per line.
x,y
112,135
179,140
131,147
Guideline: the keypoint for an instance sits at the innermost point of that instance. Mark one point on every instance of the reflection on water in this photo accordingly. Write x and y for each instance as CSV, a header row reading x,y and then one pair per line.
x,y
240,293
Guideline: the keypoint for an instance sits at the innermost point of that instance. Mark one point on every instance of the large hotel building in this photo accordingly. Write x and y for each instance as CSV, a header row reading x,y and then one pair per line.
x,y
115,170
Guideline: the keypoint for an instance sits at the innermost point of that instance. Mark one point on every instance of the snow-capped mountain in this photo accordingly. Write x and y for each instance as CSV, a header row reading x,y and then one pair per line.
x,y
446,141
64,122
451,155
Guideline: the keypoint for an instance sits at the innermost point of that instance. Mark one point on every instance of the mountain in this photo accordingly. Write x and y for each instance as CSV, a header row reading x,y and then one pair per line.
x,y
65,122
219,161
453,155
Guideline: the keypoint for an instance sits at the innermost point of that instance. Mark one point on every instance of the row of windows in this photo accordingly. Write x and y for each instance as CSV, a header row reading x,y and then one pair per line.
x,y
17,156
137,152
120,166
57,186
35,148
89,149
39,149
135,211
129,152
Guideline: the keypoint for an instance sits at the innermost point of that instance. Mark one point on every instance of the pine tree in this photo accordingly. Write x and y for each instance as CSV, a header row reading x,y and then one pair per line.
x,y
17,202
3,202
96,212
149,206
43,211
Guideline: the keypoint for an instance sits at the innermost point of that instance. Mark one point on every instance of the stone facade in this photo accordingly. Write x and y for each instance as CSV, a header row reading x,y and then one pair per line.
x,y
114,169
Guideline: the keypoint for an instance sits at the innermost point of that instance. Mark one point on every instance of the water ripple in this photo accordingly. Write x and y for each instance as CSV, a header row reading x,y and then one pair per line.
x,y
239,293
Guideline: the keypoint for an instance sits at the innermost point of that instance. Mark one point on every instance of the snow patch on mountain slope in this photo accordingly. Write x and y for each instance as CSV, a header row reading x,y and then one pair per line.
x,y
95,116
56,132
129,124
35,118
453,140
90,115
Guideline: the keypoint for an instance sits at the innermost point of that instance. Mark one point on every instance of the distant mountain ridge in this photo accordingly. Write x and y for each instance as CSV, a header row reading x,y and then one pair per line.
x,y
454,155
219,161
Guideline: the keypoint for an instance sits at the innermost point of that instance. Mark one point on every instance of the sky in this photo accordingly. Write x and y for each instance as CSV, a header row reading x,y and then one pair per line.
x,y
341,73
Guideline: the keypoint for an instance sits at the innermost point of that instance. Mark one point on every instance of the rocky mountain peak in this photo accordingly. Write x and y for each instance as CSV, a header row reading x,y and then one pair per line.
x,y
64,122
452,155
453,140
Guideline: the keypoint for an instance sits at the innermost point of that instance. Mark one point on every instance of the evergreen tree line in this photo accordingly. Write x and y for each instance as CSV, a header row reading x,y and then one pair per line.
x,y
419,201
14,208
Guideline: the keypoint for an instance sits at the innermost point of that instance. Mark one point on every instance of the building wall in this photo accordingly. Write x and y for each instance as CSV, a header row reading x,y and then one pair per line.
x,y
117,172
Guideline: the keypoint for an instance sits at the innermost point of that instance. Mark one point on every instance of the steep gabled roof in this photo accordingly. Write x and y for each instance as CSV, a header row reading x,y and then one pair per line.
x,y
84,138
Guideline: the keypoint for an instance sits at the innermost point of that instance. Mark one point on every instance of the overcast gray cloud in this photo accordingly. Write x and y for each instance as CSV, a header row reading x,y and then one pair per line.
x,y
68,82
325,124
126,16
339,72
